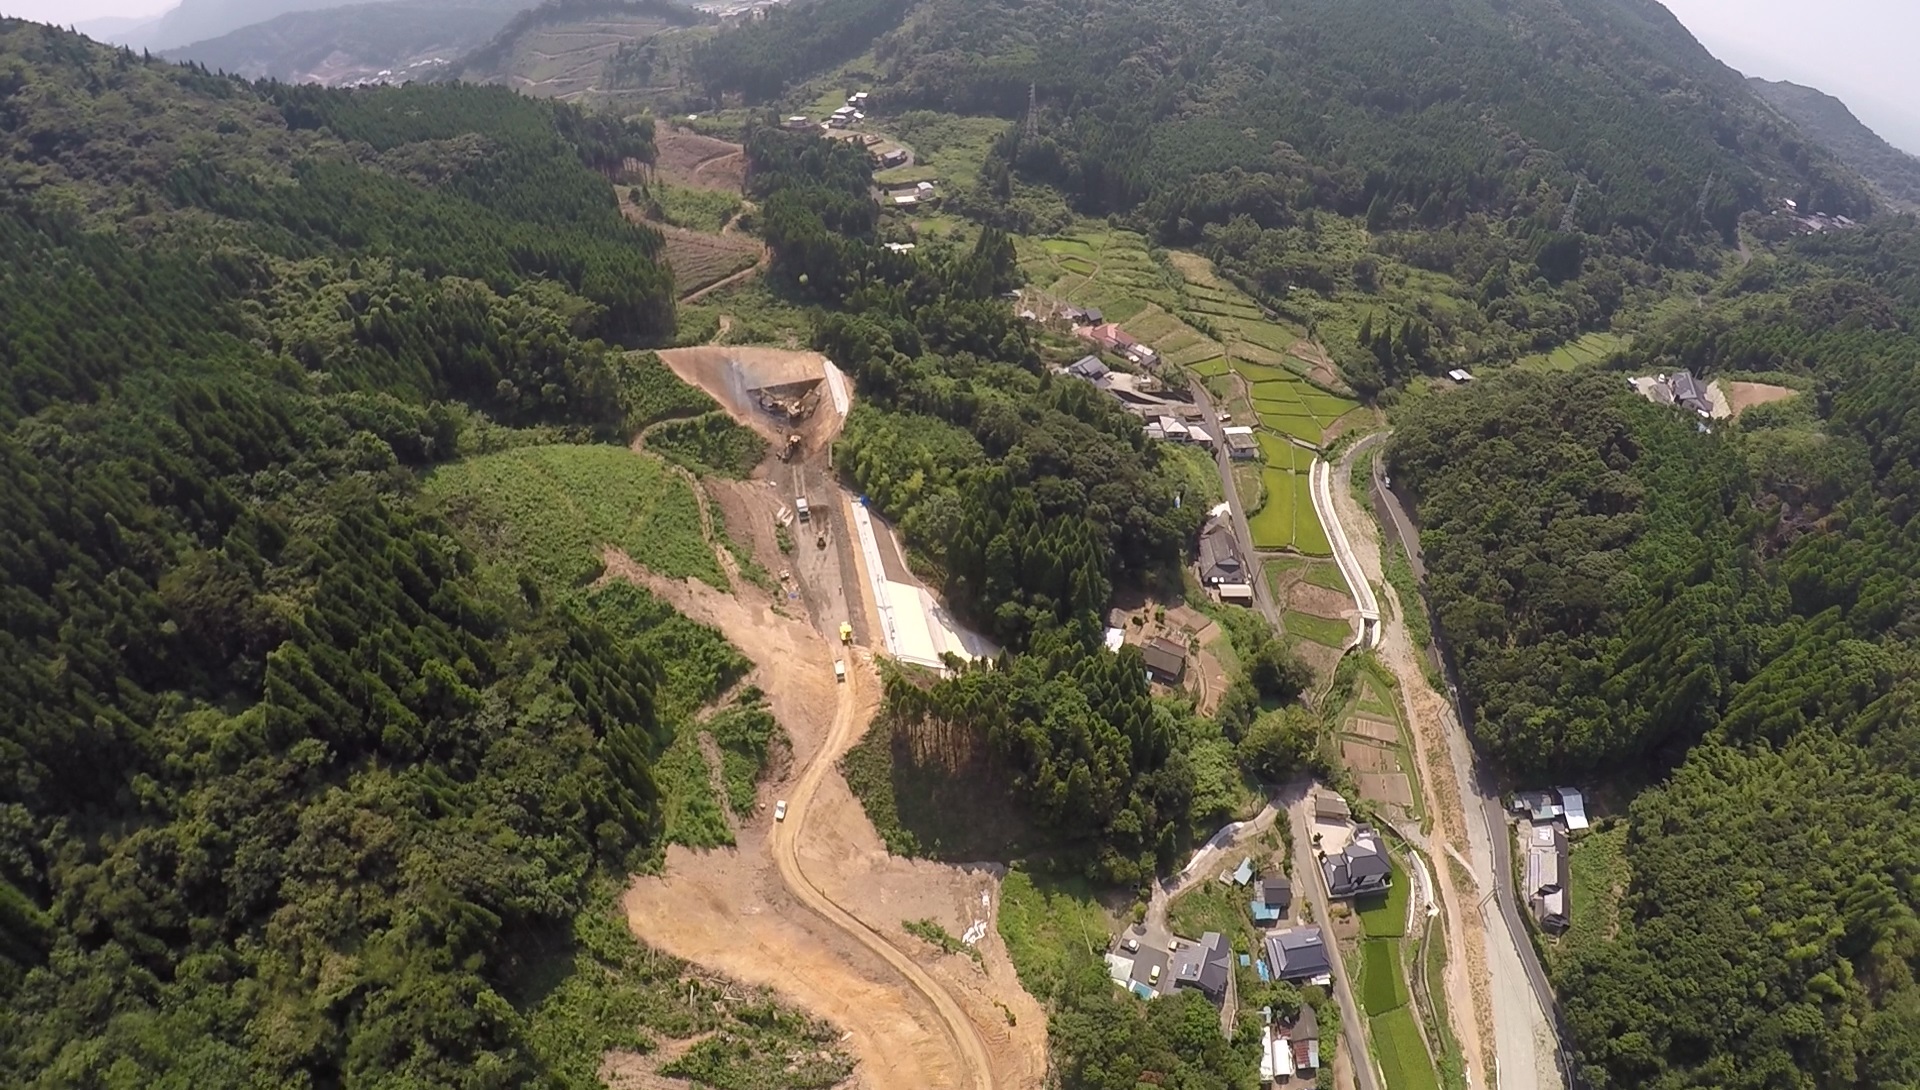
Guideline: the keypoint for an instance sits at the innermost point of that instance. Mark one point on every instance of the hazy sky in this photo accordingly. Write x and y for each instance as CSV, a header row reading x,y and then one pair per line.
x,y
67,12
1860,50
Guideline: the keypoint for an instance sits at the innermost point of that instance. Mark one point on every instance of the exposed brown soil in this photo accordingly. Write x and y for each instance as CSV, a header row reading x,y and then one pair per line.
x,y
687,158
1366,757
813,908
1745,395
1388,787
701,261
1368,727
729,374
1319,601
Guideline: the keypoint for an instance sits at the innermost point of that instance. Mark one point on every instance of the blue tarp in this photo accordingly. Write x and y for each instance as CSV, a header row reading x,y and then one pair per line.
x,y
1245,874
1245,961
1143,991
1263,912
1261,966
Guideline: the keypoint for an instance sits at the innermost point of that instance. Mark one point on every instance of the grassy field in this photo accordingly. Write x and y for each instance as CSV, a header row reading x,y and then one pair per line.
x,y
1315,573
1383,985
947,148
1385,917
1321,630
554,508
1590,349
1402,1052
1197,473
695,209
1048,925
1211,906
1596,881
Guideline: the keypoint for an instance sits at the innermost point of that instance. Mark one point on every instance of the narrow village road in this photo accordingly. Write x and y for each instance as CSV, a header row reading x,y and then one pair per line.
x,y
969,1050
1262,595
1306,875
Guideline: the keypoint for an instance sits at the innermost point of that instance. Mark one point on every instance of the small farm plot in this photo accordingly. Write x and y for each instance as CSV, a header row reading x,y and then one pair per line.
x,y
1402,1051
1383,985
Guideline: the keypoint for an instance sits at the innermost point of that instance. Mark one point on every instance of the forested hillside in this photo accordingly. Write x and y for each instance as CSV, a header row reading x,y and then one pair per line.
x,y
1535,168
300,789
1727,614
1827,121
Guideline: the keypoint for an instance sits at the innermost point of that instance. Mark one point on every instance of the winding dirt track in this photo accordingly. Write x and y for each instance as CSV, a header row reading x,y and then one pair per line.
x,y
967,1045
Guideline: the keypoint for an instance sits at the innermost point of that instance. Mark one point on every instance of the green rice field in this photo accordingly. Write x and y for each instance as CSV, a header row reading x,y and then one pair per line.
x,y
1383,986
1402,1051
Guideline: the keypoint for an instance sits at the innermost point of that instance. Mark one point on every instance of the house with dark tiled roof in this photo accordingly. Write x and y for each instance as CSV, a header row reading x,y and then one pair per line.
x,y
1360,868
1205,966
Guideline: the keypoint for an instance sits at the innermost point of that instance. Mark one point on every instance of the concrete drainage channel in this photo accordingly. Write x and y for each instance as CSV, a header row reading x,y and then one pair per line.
x,y
1319,486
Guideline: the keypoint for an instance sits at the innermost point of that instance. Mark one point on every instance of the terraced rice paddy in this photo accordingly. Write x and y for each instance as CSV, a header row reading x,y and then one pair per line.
x,y
1287,520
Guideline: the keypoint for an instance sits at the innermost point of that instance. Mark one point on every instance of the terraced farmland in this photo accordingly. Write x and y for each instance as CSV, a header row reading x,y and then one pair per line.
x,y
1287,520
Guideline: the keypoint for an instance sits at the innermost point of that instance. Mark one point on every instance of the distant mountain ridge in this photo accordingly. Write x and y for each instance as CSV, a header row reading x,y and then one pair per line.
x,y
1829,122
197,21
385,39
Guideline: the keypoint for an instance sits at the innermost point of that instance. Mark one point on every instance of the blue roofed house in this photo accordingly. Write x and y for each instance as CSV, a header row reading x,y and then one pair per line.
x,y
1273,899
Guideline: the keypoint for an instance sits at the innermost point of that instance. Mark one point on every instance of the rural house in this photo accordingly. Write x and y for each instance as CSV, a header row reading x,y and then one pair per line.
x,y
1166,660
1108,336
1241,444
1303,1040
1546,876
1298,954
1205,966
1690,393
1272,900
1220,556
1089,368
1360,868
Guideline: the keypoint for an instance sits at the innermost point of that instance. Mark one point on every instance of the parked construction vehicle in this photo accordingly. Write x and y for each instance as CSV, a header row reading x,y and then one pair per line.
x,y
792,448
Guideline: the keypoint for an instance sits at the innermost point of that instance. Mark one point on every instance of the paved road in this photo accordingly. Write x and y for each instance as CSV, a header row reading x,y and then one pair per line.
x,y
1306,875
1262,596
1482,796
968,1048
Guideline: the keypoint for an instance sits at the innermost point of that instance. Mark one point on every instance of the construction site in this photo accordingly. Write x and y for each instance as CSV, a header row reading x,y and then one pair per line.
x,y
812,905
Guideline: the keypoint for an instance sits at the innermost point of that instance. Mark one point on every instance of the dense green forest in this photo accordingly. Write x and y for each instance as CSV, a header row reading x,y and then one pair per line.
x,y
300,788
1727,613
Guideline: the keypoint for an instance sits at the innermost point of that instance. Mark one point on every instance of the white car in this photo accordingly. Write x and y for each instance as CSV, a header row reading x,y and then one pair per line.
x,y
780,810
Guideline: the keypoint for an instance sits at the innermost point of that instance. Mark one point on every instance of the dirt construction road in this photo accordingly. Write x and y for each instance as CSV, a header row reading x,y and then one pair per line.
x,y
814,907
976,1071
